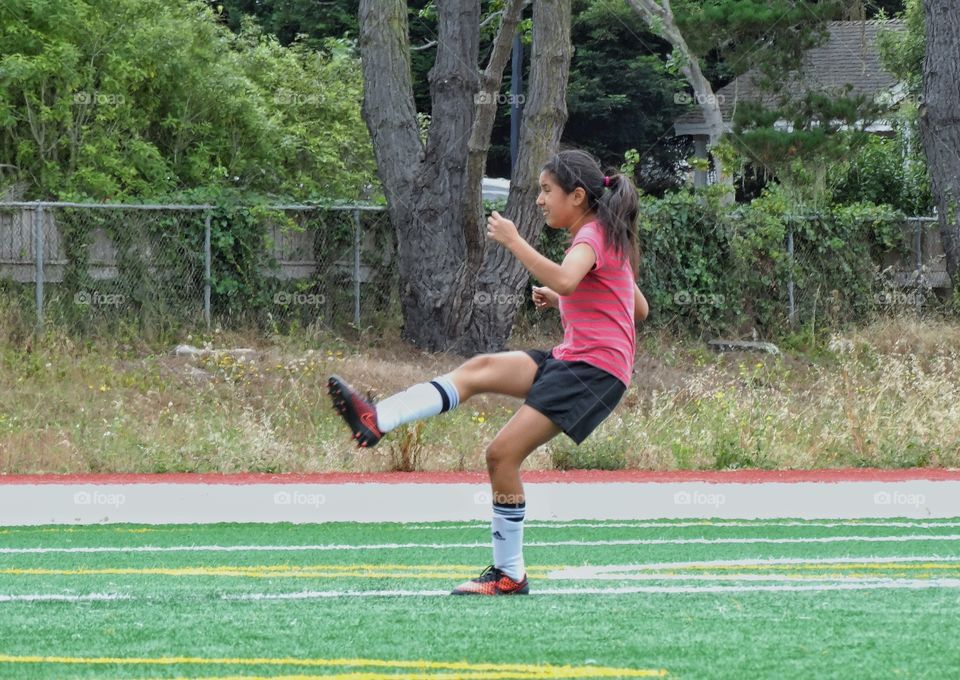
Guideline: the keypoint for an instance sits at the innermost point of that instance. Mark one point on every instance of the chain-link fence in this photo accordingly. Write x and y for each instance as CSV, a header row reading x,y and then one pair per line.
x,y
827,285
92,268
154,270
158,268
333,266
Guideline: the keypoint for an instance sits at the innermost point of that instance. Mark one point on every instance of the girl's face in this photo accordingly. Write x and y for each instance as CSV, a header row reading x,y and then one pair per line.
x,y
560,209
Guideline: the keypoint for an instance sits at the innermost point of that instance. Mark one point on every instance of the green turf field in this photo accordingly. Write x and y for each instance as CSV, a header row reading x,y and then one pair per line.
x,y
693,599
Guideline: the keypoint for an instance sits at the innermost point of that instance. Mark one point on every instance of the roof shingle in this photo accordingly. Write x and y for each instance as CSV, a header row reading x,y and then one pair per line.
x,y
849,56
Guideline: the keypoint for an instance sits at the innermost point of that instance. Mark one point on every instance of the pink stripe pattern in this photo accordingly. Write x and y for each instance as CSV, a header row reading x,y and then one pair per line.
x,y
597,317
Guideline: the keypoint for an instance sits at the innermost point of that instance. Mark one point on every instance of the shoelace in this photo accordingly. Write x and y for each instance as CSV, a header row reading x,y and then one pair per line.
x,y
491,573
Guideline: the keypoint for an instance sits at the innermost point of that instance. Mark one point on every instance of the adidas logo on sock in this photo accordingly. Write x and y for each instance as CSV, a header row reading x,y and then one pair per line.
x,y
498,536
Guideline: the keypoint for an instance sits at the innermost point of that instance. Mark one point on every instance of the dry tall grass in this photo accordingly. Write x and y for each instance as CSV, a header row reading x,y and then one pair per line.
x,y
884,395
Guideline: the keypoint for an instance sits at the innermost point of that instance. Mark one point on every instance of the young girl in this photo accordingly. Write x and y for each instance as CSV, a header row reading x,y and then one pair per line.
x,y
570,388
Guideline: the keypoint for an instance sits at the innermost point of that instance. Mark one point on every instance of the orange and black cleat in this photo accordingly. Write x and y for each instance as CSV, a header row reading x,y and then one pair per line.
x,y
359,413
493,582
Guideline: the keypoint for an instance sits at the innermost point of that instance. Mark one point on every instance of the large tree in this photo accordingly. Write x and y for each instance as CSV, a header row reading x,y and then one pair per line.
x,y
767,36
459,292
940,122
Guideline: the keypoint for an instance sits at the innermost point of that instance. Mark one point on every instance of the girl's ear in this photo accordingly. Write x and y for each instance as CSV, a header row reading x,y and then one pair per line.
x,y
579,196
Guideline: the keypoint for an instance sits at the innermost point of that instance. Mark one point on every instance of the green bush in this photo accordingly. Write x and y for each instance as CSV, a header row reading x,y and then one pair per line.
x,y
710,268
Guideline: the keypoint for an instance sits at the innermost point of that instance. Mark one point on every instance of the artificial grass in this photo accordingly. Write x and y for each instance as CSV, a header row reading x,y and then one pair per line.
x,y
736,634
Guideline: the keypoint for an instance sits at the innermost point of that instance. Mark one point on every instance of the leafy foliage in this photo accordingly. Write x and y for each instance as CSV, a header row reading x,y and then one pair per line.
x,y
138,99
821,130
902,52
294,20
885,170
768,35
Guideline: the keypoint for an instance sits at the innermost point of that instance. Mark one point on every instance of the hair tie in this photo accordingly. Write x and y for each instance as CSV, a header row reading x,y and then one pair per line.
x,y
607,181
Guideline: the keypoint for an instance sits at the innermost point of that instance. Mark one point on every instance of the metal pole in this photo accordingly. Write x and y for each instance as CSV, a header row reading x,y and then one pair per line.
x,y
793,308
38,259
206,270
516,86
356,268
918,247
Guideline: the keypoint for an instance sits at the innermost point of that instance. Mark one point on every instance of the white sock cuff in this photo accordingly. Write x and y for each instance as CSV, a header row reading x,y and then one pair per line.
x,y
515,514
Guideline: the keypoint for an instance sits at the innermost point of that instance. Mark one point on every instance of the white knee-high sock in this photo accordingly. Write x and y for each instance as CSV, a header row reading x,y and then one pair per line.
x,y
419,401
507,531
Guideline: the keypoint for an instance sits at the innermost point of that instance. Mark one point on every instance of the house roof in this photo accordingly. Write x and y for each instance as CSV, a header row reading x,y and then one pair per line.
x,y
849,56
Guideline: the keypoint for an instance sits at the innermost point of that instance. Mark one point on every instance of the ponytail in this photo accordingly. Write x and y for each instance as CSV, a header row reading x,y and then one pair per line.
x,y
613,197
617,210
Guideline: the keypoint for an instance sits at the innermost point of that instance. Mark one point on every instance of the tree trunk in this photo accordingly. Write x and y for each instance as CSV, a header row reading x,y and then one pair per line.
x,y
425,187
502,280
474,223
940,122
448,270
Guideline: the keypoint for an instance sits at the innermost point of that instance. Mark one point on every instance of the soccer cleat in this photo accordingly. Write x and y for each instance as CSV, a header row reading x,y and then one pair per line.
x,y
493,582
359,413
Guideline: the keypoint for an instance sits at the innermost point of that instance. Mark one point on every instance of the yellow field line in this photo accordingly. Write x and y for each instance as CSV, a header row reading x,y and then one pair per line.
x,y
361,567
468,675
478,670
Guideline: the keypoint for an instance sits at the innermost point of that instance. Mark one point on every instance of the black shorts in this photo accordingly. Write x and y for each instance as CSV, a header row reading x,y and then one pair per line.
x,y
573,394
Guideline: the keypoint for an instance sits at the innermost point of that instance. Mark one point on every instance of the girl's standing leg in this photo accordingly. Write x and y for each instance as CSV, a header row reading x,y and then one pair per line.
x,y
527,430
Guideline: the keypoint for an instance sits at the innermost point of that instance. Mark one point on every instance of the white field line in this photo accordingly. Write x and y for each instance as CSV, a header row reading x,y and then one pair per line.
x,y
627,572
586,575
888,584
439,546
891,584
704,523
92,597
763,561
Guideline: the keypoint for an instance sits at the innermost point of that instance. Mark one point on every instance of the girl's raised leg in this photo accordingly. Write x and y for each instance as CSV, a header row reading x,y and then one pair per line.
x,y
509,373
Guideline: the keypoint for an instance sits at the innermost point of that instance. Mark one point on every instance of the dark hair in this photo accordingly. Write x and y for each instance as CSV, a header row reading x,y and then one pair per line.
x,y
613,197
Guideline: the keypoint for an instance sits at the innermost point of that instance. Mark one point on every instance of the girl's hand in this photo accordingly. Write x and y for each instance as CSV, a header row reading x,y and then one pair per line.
x,y
501,230
544,298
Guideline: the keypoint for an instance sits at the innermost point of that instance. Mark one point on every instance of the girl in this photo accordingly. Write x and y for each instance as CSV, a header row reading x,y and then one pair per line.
x,y
570,388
